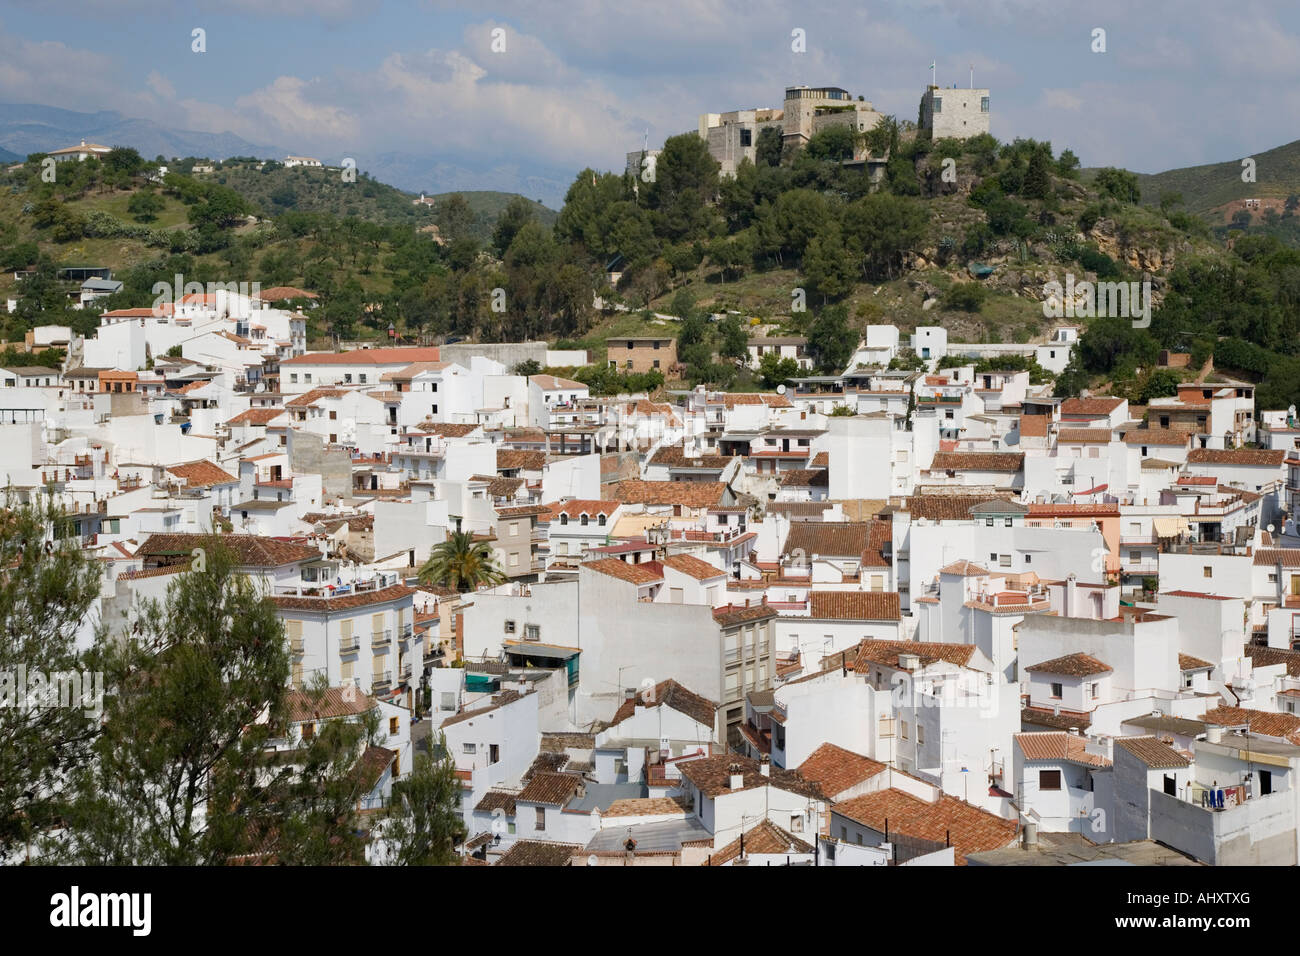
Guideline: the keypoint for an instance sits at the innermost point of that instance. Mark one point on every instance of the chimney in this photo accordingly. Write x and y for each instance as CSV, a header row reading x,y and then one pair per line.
x,y
1030,836
765,765
1071,585
737,777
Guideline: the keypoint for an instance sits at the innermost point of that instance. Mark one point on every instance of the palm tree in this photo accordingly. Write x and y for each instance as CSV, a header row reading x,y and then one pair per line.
x,y
462,563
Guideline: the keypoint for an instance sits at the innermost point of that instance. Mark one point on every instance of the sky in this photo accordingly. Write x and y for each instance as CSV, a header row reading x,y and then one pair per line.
x,y
417,85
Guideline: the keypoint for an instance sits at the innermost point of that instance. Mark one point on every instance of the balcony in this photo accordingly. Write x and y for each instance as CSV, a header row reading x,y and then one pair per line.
x,y
349,645
406,671
381,638
383,678
296,646
407,631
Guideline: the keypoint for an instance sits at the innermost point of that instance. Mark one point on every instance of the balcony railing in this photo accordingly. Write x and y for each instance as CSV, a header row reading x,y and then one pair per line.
x,y
383,678
349,645
407,630
381,638
296,646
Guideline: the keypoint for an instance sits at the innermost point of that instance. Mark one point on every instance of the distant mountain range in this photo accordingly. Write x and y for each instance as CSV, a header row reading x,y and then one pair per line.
x,y
28,128
1206,189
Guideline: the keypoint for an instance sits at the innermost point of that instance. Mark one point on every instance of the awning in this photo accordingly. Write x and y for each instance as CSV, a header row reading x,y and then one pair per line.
x,y
1169,527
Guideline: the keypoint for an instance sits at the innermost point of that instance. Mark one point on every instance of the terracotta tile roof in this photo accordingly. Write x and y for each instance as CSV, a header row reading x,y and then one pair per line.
x,y
646,806
821,460
835,769
497,800
763,838
499,487
887,652
551,789
343,602
1074,436
671,694
1033,426
201,474
552,383
1265,723
388,356
731,399
1157,436
1237,456
498,700
1058,745
410,371
1090,406
1186,662
693,566
1071,665
539,853
690,494
522,511
278,292
1289,557
1066,720
448,429
646,572
853,606
250,550
335,702
512,458
944,507
548,762
965,569
828,539
712,776
1197,594
978,461
730,616
948,820
1265,656
1153,752
805,478
256,416
560,741
674,457
310,398
153,572
575,508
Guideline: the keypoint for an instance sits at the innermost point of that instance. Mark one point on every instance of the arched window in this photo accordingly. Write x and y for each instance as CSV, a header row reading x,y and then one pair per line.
x,y
600,520
584,520
564,519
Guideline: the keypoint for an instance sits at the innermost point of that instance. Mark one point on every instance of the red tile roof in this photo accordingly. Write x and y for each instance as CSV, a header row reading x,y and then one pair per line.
x,y
388,356
948,820
835,769
853,606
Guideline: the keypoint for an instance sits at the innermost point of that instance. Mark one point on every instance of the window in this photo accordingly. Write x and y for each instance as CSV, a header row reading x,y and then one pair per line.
x,y
984,108
904,728
294,378
306,377
541,818
1004,560
1056,690
656,363
1006,522
993,556
333,415
362,377
844,833
1135,556
347,378
988,522
584,520
796,823
1171,786
600,520
920,733
470,748
564,519
1095,688
308,731
394,725
494,753
435,409
510,627
1207,572
1029,559
532,632
938,104
1049,780
746,138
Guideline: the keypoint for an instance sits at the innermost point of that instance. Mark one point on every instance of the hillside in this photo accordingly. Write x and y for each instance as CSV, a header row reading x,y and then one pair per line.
x,y
487,205
1209,187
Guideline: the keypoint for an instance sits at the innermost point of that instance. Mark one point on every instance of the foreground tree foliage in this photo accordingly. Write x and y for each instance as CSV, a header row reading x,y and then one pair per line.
x,y
424,825
49,584
462,564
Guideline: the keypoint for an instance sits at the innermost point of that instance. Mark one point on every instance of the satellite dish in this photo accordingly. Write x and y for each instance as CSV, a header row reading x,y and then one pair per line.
x,y
780,389
592,860
1270,529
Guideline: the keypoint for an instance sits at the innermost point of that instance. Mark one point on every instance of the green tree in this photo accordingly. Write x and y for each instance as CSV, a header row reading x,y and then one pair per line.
x,y
461,563
879,229
827,265
145,206
686,182
1038,180
424,823
767,149
773,370
527,367
831,339
454,217
518,212
50,584
1119,184
734,338
196,683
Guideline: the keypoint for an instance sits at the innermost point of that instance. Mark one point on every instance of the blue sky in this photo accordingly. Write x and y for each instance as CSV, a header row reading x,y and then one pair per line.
x,y
416,84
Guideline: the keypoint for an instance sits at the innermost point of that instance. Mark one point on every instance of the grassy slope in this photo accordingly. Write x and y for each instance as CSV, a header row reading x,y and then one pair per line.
x,y
1277,173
